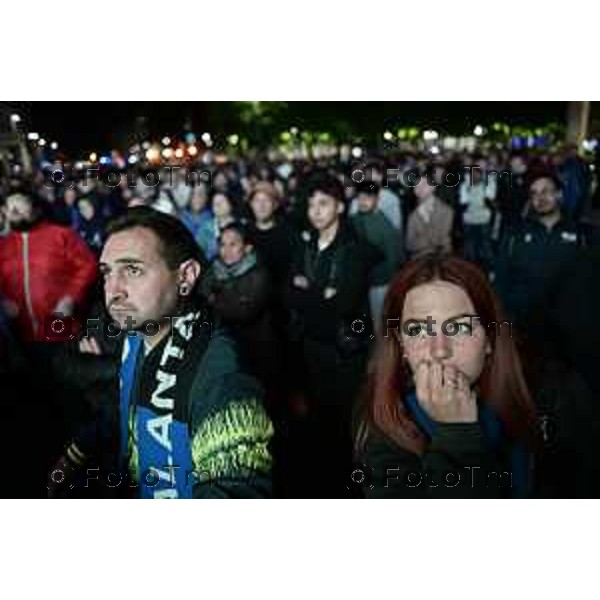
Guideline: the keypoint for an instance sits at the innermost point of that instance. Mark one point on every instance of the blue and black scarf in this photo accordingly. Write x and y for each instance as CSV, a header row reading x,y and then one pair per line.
x,y
155,408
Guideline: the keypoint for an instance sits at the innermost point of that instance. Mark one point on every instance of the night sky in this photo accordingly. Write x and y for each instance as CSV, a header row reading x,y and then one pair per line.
x,y
85,126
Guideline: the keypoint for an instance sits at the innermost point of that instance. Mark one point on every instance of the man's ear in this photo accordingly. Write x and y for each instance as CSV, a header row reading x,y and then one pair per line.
x,y
189,271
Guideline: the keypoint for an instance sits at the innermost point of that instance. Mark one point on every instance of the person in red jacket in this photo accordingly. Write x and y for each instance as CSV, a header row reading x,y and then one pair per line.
x,y
45,270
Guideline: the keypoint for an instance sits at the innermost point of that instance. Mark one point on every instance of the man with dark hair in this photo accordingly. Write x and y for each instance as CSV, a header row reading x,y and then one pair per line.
x,y
327,296
536,252
45,269
191,424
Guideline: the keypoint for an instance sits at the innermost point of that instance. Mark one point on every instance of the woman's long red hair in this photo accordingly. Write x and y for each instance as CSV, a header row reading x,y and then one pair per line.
x,y
501,385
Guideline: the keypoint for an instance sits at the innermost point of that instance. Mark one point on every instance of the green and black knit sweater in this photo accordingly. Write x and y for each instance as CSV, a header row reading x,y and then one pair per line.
x,y
229,430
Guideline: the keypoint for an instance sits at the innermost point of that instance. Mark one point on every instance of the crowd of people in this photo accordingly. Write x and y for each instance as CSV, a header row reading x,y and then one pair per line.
x,y
407,325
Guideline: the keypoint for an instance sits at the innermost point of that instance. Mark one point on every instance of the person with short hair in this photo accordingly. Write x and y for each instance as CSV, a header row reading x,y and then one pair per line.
x,y
534,253
327,297
45,270
191,423
429,228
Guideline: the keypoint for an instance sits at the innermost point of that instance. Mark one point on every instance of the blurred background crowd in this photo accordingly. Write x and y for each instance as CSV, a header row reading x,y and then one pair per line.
x,y
525,209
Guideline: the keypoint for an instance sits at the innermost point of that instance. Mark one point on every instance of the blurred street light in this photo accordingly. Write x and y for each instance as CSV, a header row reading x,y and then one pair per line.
x,y
152,154
33,136
42,142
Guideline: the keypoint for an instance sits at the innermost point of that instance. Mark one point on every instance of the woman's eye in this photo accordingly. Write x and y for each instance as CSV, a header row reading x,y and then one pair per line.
x,y
414,330
464,329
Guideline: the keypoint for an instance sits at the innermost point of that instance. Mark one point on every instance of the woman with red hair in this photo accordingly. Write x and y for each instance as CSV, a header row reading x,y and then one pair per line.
x,y
446,411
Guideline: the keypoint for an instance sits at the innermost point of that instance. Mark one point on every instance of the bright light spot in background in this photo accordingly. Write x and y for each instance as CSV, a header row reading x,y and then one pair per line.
x,y
54,146
589,145
430,134
478,131
450,143
388,135
79,165
146,145
233,139
132,159
42,142
93,157
167,152
192,150
166,141
434,150
33,136
179,153
357,152
152,154
104,160
206,137
294,130
15,118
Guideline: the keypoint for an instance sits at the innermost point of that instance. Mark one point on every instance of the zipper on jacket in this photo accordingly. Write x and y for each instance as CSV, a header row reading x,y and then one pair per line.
x,y
26,282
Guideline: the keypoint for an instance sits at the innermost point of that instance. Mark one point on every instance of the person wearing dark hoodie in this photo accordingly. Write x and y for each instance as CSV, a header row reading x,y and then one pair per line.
x,y
328,300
